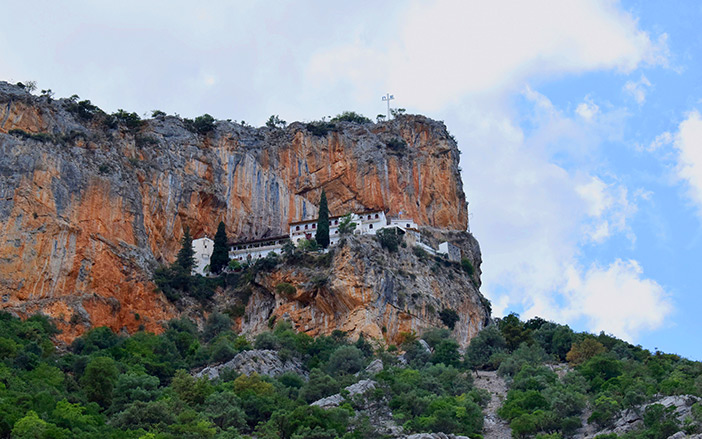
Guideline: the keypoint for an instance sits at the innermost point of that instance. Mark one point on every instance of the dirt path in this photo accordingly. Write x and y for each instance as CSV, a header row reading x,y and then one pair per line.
x,y
495,427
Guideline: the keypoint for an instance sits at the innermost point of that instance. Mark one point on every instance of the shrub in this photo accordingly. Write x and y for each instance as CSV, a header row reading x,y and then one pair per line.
x,y
346,360
351,116
84,109
389,238
584,350
275,122
396,144
215,325
320,128
40,137
131,120
481,348
449,317
467,266
286,289
201,125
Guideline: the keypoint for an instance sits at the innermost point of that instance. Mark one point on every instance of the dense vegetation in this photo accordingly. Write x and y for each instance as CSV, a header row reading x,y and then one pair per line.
x,y
115,386
140,386
604,378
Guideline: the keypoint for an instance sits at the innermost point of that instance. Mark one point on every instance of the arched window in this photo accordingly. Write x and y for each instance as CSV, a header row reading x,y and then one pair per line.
x,y
370,226
376,215
297,227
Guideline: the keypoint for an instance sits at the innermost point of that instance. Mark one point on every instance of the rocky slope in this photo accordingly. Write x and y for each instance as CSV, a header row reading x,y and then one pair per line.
x,y
361,288
89,207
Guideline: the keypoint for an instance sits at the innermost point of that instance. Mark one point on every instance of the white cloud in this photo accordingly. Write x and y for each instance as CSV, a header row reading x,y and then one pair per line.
x,y
637,89
688,143
588,110
447,49
535,218
609,207
616,299
661,140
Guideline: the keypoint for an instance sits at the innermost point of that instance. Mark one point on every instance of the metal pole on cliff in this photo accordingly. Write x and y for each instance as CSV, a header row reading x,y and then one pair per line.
x,y
387,98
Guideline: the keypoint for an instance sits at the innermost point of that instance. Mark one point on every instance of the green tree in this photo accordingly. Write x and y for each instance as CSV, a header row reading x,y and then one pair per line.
x,y
220,254
99,380
488,342
186,255
30,427
275,122
346,226
322,236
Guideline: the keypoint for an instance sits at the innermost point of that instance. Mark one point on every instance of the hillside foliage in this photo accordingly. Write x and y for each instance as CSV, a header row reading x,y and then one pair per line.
x,y
141,386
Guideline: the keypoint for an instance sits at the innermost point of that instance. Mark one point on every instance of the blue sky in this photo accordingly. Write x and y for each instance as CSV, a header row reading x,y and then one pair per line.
x,y
578,121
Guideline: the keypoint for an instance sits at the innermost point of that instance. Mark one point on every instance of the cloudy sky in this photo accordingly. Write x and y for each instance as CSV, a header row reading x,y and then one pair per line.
x,y
579,121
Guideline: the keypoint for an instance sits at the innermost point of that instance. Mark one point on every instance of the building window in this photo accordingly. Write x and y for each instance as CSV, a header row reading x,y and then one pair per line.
x,y
305,226
368,216
314,226
336,232
376,215
297,227
408,225
336,221
370,226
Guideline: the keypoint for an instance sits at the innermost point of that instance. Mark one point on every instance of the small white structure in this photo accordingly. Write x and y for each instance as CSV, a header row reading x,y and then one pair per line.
x,y
203,251
453,252
257,249
403,223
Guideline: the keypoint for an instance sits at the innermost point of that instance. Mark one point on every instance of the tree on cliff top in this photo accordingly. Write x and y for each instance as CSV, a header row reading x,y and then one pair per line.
x,y
322,236
186,255
220,255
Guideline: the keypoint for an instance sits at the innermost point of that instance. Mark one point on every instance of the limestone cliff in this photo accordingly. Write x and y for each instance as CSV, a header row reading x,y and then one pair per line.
x,y
359,287
89,205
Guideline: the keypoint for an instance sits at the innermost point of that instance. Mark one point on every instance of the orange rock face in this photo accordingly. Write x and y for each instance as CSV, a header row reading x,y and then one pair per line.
x,y
88,211
367,290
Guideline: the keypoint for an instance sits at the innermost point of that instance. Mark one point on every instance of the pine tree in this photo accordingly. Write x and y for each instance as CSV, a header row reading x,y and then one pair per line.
x,y
220,255
322,236
186,255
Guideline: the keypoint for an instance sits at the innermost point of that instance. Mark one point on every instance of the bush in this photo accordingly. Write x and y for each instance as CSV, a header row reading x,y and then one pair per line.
x,y
396,144
467,266
449,317
131,120
346,360
390,238
351,116
584,350
201,125
286,289
481,348
275,122
320,129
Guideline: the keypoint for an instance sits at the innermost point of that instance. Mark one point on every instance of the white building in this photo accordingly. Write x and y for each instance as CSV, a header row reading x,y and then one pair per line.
x,y
257,249
367,223
203,251
403,223
450,250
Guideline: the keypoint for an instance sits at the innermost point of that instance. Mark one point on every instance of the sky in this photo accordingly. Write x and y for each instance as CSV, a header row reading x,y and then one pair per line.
x,y
579,122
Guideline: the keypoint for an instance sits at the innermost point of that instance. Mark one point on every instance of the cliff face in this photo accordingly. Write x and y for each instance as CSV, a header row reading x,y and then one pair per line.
x,y
362,288
87,211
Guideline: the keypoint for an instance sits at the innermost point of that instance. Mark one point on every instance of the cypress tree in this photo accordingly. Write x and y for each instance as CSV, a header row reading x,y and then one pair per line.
x,y
220,255
322,236
186,255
